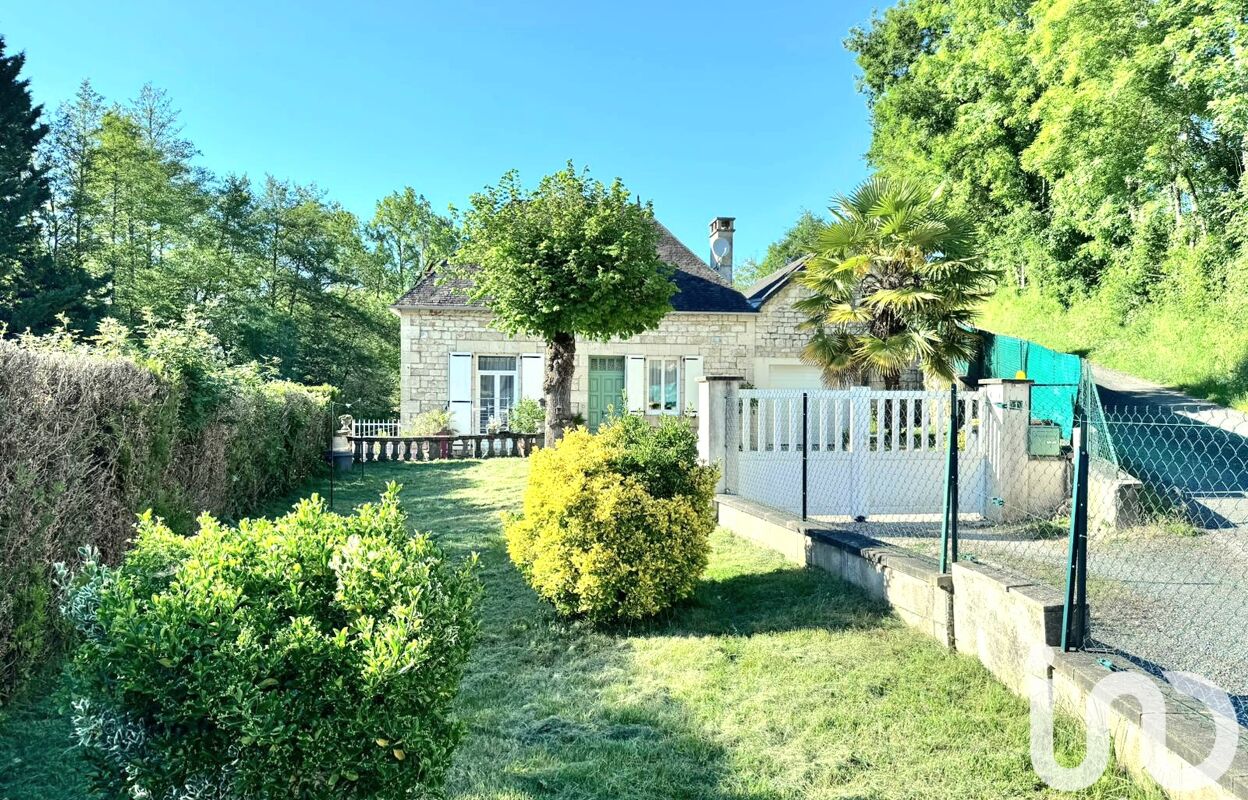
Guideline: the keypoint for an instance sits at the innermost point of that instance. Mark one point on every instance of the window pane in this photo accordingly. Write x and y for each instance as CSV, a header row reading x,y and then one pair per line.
x,y
669,386
654,390
497,363
506,391
487,387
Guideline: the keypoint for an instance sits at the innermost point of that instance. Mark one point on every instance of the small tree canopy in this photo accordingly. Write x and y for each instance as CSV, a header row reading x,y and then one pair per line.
x,y
573,256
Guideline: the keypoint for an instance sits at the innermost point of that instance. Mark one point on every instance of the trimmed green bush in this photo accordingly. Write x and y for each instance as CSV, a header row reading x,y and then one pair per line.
x,y
615,526
311,656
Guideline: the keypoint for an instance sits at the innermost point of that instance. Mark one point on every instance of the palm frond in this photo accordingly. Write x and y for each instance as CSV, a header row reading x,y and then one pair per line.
x,y
905,298
842,236
862,201
847,314
831,350
886,355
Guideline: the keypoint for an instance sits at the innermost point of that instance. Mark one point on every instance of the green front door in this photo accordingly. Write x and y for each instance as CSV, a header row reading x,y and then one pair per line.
x,y
606,388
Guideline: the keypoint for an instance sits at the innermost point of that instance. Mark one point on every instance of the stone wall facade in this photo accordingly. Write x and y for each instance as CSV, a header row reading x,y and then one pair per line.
x,y
745,345
725,342
777,325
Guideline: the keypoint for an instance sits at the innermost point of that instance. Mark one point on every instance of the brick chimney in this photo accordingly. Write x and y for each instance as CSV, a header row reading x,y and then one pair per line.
x,y
721,246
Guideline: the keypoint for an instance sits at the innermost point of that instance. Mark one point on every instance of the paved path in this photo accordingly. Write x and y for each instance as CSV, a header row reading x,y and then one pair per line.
x,y
1193,451
1119,388
1178,602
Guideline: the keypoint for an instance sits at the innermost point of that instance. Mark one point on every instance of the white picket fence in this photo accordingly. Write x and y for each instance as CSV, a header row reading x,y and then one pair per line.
x,y
375,427
870,454
484,420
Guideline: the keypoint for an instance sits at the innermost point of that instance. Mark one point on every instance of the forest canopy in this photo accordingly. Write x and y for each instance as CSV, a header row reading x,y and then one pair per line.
x,y
122,222
1101,145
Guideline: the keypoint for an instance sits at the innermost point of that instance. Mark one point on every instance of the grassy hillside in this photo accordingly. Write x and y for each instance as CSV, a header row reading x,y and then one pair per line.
x,y
1201,350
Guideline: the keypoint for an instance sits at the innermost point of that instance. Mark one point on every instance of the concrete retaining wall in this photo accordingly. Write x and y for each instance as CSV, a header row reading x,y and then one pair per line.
x,y
1011,624
1188,730
1001,619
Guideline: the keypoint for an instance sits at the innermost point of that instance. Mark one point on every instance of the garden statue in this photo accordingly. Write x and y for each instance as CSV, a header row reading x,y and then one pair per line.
x,y
341,450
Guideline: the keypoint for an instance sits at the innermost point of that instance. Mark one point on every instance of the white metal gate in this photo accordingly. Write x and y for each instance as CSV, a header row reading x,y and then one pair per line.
x,y
870,454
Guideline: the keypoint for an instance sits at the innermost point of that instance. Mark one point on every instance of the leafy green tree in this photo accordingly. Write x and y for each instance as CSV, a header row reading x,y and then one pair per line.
x,y
799,240
1099,143
277,272
311,309
33,291
572,258
147,201
410,237
893,283
71,165
950,87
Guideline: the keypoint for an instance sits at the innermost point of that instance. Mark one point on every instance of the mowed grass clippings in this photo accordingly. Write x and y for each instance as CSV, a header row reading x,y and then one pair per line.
x,y
773,681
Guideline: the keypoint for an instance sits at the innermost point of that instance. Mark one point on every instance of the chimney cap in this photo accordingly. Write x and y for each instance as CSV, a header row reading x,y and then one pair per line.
x,y
723,224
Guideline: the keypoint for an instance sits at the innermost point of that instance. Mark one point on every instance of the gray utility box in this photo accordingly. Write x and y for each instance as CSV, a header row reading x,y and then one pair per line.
x,y
1044,440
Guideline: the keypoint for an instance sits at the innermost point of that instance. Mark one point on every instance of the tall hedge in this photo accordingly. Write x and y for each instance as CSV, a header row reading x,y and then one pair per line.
x,y
93,433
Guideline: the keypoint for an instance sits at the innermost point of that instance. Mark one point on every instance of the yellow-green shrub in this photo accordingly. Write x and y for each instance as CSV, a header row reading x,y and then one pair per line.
x,y
597,537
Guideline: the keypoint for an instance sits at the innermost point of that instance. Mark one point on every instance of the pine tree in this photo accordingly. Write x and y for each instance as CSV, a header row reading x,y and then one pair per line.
x,y
33,290
74,152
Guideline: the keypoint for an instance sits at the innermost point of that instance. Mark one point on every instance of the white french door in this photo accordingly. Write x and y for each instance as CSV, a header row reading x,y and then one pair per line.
x,y
496,391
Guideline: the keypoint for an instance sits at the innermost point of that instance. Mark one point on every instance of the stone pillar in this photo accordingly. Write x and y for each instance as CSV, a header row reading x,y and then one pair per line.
x,y
1007,415
718,435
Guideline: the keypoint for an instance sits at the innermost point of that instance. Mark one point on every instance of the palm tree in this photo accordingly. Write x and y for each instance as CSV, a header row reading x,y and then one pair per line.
x,y
894,284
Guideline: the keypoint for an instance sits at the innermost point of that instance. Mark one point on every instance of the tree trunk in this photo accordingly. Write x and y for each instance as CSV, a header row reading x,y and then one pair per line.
x,y
557,384
1243,157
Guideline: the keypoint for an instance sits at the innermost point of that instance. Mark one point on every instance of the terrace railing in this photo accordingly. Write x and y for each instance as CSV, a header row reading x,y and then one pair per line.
x,y
435,448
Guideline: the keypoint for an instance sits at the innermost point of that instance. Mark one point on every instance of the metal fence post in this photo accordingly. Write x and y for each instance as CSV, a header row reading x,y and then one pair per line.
x,y
805,448
1075,607
949,525
1081,555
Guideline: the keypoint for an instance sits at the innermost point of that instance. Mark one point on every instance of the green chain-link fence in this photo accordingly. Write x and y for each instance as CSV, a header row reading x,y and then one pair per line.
x,y
1163,557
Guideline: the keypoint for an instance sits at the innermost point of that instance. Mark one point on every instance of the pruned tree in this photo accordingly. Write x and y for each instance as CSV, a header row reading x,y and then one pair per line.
x,y
894,283
573,257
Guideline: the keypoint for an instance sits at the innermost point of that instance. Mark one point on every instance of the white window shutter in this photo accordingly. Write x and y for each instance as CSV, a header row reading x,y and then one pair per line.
x,y
635,383
531,369
459,388
693,372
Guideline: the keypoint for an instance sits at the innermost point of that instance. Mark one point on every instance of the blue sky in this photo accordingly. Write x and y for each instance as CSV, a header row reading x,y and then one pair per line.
x,y
741,109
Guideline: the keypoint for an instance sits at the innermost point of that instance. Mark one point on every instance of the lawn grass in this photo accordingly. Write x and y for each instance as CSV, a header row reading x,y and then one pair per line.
x,y
772,682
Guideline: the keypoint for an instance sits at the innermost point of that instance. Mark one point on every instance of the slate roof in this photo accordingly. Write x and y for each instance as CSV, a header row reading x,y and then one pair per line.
x,y
768,285
698,287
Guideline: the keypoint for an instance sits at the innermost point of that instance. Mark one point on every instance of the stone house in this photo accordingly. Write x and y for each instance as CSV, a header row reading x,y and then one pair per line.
x,y
452,359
